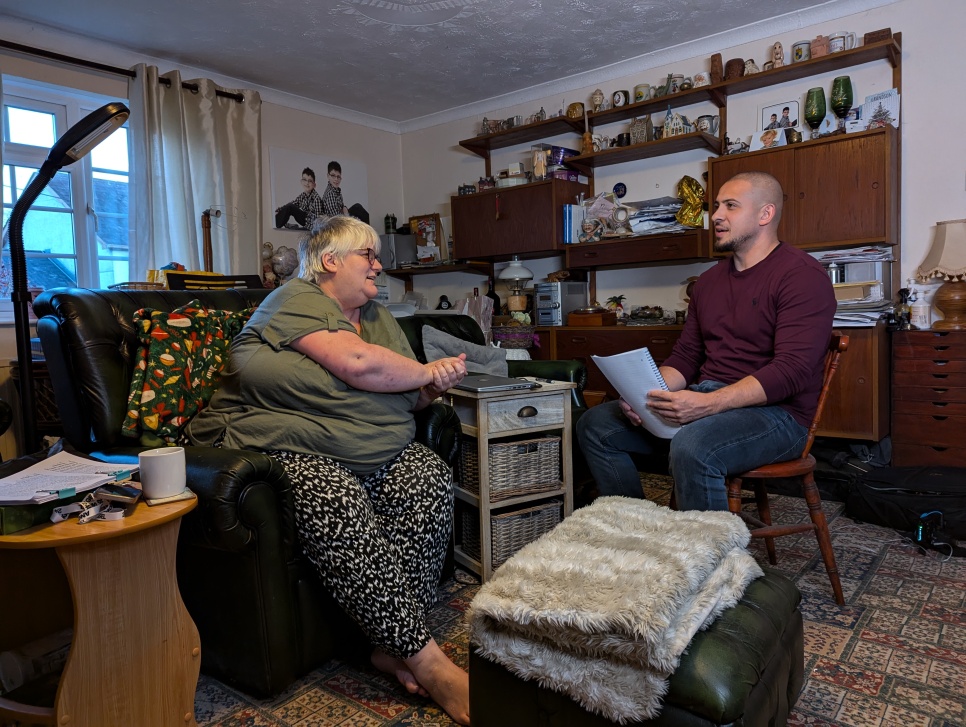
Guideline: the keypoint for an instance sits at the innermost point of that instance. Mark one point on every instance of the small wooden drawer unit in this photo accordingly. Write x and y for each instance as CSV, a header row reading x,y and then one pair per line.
x,y
929,398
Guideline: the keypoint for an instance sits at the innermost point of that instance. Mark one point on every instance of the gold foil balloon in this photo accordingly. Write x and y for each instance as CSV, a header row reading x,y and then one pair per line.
x,y
691,192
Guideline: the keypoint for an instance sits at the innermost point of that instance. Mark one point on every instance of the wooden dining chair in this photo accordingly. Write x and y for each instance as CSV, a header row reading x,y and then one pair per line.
x,y
802,467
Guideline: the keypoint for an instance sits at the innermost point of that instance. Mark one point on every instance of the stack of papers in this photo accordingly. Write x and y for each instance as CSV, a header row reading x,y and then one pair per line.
x,y
655,216
876,253
63,475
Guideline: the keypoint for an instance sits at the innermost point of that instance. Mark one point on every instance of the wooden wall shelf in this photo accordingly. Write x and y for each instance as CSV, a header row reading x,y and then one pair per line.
x,y
889,50
646,150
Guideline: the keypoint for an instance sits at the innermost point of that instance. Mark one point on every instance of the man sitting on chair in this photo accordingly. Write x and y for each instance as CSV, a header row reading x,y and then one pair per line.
x,y
746,373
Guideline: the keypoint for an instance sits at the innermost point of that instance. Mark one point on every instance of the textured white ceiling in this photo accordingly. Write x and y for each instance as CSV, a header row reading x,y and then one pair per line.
x,y
404,59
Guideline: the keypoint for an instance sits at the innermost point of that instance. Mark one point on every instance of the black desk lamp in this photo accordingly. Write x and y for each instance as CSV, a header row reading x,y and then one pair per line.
x,y
73,145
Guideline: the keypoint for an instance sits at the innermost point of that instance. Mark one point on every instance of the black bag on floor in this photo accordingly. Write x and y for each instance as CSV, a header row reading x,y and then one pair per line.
x,y
899,497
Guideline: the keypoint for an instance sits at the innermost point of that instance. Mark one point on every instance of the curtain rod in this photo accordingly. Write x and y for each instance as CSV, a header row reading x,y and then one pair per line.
x,y
60,58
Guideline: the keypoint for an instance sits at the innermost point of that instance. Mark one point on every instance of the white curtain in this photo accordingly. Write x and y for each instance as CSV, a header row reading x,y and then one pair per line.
x,y
194,151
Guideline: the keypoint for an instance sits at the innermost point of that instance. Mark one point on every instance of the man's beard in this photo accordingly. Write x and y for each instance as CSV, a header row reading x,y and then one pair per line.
x,y
732,244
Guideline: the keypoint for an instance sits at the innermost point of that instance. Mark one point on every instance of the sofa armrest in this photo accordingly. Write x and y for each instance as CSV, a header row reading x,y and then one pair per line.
x,y
560,370
230,516
438,427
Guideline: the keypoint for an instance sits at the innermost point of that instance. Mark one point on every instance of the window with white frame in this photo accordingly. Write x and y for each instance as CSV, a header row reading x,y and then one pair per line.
x,y
76,233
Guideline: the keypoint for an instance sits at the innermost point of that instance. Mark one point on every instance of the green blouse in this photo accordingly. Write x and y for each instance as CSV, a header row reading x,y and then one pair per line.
x,y
273,397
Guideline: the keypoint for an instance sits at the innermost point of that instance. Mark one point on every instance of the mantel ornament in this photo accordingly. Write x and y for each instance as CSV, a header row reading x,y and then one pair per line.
x,y
597,100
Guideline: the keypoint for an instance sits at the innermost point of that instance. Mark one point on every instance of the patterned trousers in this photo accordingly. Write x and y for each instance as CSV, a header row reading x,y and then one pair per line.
x,y
378,542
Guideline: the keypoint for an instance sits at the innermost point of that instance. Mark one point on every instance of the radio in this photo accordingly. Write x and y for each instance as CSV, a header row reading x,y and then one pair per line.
x,y
553,301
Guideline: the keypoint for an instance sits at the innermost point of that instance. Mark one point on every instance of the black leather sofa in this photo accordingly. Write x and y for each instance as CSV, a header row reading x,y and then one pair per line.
x,y
263,617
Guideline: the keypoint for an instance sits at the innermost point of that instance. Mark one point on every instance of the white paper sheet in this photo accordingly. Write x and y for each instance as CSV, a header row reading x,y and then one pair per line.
x,y
61,473
633,374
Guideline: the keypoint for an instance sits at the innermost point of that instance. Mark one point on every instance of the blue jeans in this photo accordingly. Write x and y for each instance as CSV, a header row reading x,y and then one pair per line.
x,y
701,455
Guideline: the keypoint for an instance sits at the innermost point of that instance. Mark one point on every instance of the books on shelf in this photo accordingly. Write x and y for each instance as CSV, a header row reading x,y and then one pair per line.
x,y
61,475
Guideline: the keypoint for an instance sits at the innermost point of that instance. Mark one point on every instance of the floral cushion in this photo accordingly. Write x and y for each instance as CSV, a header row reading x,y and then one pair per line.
x,y
177,368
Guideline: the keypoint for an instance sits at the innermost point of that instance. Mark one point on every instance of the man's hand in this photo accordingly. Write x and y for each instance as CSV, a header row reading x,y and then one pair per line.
x,y
681,407
630,413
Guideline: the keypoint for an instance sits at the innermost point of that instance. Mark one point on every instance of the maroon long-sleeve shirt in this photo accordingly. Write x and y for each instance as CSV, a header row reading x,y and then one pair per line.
x,y
771,321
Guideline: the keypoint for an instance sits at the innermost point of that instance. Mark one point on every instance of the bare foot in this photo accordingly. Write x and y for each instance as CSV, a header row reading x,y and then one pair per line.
x,y
397,667
448,685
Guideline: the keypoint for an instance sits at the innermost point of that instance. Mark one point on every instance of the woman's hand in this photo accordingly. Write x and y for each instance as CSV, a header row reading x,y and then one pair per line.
x,y
446,373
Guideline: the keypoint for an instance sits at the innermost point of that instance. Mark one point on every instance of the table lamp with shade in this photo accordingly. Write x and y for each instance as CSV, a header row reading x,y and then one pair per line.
x,y
515,276
75,144
947,259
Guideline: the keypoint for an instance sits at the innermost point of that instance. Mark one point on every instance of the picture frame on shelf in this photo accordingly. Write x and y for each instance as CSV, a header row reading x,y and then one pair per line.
x,y
428,230
768,139
782,115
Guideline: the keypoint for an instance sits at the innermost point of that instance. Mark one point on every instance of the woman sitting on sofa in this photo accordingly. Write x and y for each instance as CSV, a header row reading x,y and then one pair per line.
x,y
324,380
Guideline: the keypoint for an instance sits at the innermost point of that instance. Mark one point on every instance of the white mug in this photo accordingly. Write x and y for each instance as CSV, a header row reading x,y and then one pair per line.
x,y
162,472
841,41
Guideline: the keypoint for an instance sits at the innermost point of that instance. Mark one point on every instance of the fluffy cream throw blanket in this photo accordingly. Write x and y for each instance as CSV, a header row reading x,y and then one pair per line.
x,y
602,607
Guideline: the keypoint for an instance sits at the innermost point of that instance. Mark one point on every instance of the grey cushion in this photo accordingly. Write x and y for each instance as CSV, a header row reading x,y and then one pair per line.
x,y
479,359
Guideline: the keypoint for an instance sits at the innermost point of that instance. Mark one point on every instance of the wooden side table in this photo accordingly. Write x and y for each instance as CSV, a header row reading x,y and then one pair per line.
x,y
136,653
491,416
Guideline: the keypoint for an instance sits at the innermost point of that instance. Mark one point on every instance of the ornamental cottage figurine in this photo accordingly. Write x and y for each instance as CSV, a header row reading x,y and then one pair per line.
x,y
641,130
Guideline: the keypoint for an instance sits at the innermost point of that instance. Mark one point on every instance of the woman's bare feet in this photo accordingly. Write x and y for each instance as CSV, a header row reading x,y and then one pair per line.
x,y
447,684
397,667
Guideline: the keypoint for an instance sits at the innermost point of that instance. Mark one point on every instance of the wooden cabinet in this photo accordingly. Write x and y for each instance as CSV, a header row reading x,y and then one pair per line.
x,y
512,220
858,400
840,191
580,343
690,246
858,403
928,398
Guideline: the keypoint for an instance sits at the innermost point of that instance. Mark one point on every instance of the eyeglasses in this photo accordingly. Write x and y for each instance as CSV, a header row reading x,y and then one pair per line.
x,y
368,252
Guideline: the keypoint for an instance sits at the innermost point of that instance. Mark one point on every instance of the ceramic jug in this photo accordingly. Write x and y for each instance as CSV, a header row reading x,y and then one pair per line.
x,y
707,124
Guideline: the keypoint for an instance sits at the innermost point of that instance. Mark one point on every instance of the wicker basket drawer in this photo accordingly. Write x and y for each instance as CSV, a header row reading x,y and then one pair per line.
x,y
509,531
516,468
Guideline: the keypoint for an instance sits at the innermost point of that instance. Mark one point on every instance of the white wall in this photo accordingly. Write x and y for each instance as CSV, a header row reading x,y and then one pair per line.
x,y
417,172
933,150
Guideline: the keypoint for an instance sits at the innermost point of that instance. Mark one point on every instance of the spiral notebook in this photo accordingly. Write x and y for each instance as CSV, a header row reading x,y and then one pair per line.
x,y
633,374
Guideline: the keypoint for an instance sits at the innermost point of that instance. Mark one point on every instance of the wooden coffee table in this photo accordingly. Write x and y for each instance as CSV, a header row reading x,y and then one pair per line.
x,y
136,654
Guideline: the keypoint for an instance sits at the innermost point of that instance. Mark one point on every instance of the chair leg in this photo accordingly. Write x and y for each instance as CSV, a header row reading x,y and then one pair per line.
x,y
764,514
814,501
734,495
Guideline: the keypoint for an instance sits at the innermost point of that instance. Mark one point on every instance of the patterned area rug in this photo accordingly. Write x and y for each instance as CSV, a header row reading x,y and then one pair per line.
x,y
895,655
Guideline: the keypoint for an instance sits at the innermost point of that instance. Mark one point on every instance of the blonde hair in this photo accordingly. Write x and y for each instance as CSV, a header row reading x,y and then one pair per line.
x,y
338,235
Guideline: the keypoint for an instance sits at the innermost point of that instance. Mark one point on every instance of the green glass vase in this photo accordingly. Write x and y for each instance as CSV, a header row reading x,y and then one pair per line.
x,y
815,109
842,99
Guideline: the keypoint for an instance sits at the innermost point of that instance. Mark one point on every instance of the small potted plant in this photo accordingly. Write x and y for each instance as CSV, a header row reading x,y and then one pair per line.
x,y
616,304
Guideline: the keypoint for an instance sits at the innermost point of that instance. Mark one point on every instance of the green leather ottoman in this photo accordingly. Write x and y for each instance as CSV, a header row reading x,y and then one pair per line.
x,y
746,669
